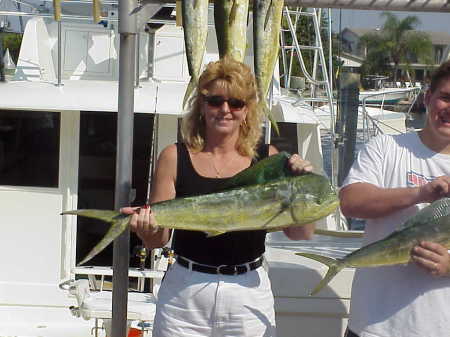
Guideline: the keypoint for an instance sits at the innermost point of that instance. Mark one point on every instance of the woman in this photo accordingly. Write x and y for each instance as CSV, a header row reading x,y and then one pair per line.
x,y
201,295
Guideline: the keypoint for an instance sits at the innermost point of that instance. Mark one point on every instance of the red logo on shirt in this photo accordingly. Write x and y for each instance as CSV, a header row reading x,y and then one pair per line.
x,y
416,179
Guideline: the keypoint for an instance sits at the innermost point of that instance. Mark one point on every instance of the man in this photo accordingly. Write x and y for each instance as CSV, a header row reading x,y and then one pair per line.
x,y
391,179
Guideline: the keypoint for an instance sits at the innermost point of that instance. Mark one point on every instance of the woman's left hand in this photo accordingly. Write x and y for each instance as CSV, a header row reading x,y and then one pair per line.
x,y
432,257
298,165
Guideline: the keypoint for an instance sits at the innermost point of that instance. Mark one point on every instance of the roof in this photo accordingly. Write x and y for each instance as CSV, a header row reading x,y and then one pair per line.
x,y
437,38
85,95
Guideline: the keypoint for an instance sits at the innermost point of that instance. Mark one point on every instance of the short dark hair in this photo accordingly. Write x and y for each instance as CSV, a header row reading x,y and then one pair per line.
x,y
439,74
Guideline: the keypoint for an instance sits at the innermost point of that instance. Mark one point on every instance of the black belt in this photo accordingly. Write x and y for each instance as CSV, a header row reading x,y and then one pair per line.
x,y
223,269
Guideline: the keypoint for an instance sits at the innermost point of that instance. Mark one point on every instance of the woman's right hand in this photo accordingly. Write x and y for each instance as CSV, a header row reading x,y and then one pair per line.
x,y
142,221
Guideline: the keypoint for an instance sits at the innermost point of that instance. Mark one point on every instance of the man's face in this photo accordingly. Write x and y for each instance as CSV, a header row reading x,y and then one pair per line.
x,y
438,109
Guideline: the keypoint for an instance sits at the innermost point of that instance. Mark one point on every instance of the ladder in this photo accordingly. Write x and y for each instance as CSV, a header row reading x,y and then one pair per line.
x,y
319,77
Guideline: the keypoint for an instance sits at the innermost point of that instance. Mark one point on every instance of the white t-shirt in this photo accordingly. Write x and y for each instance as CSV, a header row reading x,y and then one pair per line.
x,y
405,300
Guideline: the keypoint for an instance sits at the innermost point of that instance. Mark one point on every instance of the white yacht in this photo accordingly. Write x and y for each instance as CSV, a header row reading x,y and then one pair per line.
x,y
58,115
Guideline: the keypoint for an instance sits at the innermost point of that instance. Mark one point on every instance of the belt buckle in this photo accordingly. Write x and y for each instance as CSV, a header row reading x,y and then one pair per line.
x,y
234,270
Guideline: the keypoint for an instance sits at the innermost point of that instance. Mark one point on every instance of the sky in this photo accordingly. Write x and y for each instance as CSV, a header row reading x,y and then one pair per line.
x,y
347,18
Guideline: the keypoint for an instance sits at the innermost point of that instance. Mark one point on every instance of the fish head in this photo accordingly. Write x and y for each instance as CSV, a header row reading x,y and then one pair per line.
x,y
313,198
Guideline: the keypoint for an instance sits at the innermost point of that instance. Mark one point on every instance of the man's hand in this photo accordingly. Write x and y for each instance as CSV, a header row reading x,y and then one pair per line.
x,y
433,257
434,190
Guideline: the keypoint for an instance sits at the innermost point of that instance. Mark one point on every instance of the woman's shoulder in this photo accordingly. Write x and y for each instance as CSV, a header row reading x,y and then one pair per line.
x,y
169,151
168,155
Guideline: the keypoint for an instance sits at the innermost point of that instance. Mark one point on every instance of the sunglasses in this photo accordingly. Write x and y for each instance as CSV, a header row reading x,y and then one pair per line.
x,y
217,101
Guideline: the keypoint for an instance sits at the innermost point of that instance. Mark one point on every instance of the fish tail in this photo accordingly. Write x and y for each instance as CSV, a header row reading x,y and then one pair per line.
x,y
262,105
189,92
334,267
233,13
96,10
117,228
269,15
57,10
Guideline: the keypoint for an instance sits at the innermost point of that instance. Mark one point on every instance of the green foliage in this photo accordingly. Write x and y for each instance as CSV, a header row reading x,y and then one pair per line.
x,y
12,41
396,43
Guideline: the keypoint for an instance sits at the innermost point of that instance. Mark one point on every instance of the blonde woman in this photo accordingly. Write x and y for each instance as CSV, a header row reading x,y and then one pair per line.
x,y
218,286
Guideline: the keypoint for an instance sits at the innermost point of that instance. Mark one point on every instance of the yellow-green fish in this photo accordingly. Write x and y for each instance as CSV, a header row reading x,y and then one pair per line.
x,y
57,10
267,16
432,223
277,204
195,26
96,10
230,20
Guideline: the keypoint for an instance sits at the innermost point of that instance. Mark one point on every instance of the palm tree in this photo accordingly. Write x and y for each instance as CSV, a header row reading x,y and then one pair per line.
x,y
397,42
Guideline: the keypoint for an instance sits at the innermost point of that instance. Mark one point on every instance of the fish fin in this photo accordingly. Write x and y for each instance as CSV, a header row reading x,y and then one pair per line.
x,y
268,169
430,213
284,206
136,9
196,4
269,15
189,93
334,267
118,226
266,111
233,12
99,214
339,234
210,234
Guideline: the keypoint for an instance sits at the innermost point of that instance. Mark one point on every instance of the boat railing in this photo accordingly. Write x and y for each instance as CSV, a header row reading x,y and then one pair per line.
x,y
371,125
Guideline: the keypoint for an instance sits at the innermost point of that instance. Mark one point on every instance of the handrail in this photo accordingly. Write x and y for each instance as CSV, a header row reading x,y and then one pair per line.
x,y
367,117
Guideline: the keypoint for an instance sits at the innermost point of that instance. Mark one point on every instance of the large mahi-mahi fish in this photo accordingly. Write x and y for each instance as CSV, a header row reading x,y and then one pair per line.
x,y
195,27
230,20
267,15
273,205
432,223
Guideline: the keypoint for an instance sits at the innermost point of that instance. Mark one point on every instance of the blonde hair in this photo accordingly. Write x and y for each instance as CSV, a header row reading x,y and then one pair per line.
x,y
238,79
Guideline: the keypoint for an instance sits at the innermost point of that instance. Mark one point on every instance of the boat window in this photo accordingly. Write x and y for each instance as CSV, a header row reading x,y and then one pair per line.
x,y
29,148
96,179
287,139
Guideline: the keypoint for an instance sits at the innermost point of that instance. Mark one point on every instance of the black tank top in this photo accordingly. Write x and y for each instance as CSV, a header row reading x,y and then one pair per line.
x,y
229,248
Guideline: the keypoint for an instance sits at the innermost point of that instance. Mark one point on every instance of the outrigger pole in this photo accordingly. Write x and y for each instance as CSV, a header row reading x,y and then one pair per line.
x,y
124,160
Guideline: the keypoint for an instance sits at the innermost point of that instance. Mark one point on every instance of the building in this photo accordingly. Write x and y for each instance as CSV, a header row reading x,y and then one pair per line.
x,y
353,52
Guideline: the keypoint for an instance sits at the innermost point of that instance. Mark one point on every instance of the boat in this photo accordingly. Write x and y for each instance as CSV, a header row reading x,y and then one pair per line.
x,y
58,117
379,93
386,96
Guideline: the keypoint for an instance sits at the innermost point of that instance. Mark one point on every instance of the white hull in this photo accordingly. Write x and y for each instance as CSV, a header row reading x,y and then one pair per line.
x,y
387,96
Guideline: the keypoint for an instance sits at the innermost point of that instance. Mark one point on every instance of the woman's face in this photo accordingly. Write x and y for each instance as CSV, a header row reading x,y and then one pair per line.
x,y
222,113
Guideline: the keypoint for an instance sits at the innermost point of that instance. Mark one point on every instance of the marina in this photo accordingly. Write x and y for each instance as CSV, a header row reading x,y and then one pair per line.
x,y
61,108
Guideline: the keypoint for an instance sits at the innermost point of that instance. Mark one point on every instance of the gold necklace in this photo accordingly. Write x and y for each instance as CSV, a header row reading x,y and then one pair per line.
x,y
218,175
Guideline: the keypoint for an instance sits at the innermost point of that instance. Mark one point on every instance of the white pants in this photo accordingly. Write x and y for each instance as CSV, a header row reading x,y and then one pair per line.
x,y
199,304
